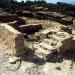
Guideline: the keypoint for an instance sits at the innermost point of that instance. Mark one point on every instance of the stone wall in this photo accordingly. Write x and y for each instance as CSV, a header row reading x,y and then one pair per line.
x,y
10,39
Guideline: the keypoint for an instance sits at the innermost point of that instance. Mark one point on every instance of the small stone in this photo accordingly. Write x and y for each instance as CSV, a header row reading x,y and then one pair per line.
x,y
13,59
58,68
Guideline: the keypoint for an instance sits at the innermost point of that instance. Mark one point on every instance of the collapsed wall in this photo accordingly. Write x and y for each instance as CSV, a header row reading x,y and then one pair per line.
x,y
10,39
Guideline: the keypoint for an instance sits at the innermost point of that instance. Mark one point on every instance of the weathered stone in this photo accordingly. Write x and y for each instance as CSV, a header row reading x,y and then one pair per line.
x,y
58,68
44,33
11,18
54,45
32,38
10,39
25,13
30,28
73,22
67,19
14,59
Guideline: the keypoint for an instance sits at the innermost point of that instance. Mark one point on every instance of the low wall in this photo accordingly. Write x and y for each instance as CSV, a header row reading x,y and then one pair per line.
x,y
10,39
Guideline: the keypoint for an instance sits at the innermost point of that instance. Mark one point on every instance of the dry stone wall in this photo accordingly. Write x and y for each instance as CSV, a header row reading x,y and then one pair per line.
x,y
10,39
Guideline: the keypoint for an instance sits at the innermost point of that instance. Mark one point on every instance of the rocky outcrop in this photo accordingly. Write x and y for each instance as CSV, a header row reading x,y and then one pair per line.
x,y
11,40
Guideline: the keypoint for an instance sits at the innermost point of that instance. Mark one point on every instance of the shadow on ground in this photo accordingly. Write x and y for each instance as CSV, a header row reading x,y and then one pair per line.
x,y
29,56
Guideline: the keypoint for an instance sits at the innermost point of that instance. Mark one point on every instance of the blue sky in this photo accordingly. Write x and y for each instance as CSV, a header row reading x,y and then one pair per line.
x,y
54,1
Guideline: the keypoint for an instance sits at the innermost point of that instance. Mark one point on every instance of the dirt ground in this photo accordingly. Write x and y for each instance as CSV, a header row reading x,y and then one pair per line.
x,y
66,67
